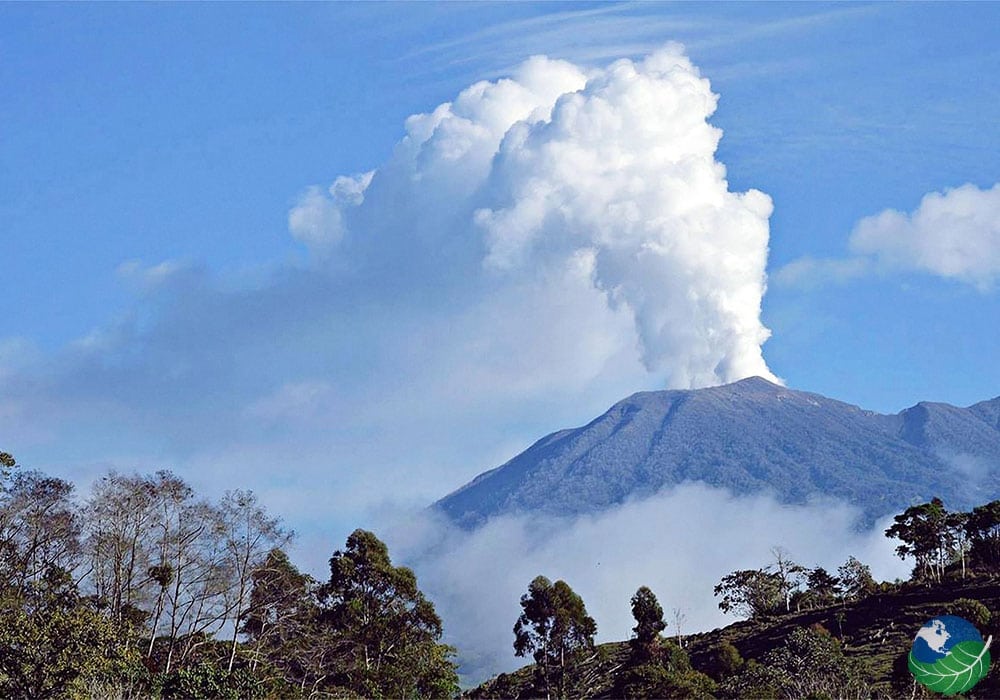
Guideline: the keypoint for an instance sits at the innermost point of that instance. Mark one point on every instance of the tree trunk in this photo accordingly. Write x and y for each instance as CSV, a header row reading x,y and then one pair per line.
x,y
236,631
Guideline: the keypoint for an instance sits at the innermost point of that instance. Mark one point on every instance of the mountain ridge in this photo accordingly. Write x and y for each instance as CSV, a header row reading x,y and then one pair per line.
x,y
746,436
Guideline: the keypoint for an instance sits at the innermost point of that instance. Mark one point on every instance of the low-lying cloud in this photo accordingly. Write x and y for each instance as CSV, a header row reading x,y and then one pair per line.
x,y
680,543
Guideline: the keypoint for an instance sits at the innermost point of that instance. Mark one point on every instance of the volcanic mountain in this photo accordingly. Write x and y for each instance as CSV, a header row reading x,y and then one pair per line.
x,y
748,436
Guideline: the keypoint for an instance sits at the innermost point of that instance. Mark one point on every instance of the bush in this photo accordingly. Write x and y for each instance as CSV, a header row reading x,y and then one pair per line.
x,y
972,610
210,681
726,661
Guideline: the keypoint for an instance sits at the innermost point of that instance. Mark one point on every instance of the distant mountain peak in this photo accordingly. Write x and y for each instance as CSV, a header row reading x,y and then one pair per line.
x,y
747,436
755,382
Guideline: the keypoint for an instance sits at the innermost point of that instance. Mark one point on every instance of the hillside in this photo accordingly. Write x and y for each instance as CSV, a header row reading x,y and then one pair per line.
x,y
747,436
876,631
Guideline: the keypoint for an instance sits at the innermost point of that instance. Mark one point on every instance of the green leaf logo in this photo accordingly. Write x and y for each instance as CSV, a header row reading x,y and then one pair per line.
x,y
963,667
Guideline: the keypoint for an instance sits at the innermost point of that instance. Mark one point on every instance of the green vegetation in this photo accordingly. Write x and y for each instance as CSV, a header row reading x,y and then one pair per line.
x,y
555,628
146,590
806,633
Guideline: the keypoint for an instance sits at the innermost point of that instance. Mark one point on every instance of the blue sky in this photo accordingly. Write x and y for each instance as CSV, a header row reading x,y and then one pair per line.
x,y
158,311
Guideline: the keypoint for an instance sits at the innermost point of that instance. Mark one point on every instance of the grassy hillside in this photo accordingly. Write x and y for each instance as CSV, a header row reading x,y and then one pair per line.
x,y
875,632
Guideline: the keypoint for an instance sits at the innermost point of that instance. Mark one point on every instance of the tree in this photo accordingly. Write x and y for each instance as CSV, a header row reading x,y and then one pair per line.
x,y
282,624
7,465
553,627
119,516
387,631
649,623
726,661
855,580
822,587
812,664
750,593
672,678
39,529
789,574
52,642
957,537
926,535
191,562
248,534
753,680
679,618
983,530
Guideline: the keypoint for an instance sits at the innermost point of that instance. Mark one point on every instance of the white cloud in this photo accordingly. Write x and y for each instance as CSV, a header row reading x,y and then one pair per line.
x,y
151,277
808,272
680,543
954,234
316,219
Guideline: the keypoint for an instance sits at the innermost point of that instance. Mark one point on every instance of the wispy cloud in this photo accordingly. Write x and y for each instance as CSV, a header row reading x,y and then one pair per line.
x,y
594,35
808,272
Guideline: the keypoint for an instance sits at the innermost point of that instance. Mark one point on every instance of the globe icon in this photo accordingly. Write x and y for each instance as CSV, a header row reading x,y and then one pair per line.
x,y
949,655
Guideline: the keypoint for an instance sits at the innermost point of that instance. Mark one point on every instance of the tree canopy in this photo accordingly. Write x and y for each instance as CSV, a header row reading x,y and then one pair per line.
x,y
387,629
649,622
129,592
553,627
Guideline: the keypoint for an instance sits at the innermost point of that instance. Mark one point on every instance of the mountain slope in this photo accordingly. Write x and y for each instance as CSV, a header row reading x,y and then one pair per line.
x,y
747,436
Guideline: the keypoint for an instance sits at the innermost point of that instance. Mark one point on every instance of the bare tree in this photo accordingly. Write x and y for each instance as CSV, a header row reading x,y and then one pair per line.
x,y
248,535
789,573
119,517
189,569
679,619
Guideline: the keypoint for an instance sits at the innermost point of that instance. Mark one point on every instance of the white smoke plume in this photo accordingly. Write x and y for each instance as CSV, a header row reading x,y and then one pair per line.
x,y
531,252
600,184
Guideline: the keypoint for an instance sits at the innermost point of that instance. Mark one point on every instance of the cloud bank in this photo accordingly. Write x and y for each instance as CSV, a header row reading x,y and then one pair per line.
x,y
680,543
954,234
